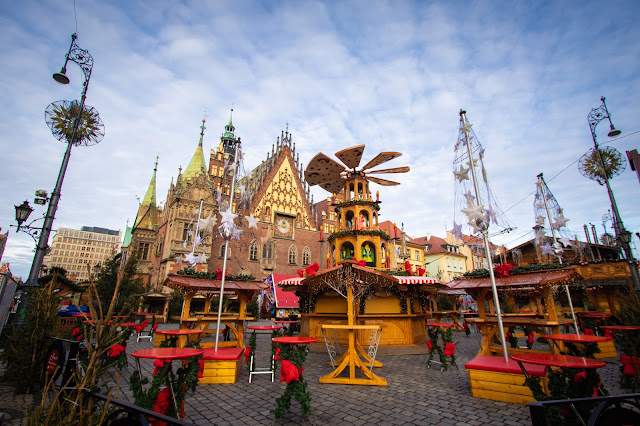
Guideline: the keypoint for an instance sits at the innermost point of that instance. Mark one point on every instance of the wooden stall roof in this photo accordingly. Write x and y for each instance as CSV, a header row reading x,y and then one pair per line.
x,y
364,274
199,284
532,279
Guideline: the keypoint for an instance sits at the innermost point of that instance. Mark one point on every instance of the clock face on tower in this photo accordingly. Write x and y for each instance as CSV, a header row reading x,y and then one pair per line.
x,y
284,226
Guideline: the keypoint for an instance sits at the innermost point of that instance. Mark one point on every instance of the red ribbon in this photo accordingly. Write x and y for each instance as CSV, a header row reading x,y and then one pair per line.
x,y
289,372
449,349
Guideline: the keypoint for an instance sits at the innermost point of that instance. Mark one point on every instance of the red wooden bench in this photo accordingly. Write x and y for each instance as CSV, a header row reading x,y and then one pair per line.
x,y
492,378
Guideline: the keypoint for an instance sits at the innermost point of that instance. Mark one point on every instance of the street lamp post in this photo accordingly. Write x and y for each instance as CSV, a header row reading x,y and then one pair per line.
x,y
596,115
84,60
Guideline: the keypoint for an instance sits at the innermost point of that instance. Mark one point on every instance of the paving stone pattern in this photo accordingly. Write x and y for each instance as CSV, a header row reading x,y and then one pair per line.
x,y
415,395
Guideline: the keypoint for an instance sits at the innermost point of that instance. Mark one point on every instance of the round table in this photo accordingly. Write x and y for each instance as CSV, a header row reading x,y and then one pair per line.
x,y
178,337
295,340
562,361
264,327
586,340
440,324
621,327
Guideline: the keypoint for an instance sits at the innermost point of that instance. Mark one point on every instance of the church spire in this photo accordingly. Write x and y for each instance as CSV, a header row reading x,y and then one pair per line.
x,y
197,164
147,211
228,139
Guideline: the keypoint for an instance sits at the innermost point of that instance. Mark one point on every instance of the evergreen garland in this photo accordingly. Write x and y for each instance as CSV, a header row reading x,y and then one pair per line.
x,y
213,275
356,232
484,273
252,350
296,389
434,347
374,204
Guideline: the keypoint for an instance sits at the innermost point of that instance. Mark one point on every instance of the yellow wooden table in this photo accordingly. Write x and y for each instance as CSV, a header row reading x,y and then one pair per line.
x,y
351,358
235,322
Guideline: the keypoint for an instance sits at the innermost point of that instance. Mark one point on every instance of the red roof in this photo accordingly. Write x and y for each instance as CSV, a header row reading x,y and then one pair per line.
x,y
284,299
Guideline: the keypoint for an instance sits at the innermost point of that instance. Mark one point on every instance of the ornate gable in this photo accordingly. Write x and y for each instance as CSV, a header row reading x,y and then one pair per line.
x,y
282,193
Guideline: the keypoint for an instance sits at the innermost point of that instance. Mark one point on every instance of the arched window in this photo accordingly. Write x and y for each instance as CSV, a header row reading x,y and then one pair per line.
x,y
253,251
349,219
267,249
368,253
292,255
346,251
306,255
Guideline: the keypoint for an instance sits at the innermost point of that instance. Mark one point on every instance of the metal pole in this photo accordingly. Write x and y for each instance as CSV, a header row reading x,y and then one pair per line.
x,y
595,117
485,236
43,241
226,244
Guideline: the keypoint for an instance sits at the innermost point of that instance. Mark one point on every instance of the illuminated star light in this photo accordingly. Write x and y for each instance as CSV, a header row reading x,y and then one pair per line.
x,y
565,241
462,174
547,249
540,220
207,224
236,233
474,212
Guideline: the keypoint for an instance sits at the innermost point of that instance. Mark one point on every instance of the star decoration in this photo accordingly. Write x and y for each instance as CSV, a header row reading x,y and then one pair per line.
x,y
197,241
190,258
462,174
539,205
179,260
470,198
228,216
207,224
547,249
474,212
565,241
218,195
491,214
540,220
466,128
236,233
184,244
457,231
560,222
475,162
253,222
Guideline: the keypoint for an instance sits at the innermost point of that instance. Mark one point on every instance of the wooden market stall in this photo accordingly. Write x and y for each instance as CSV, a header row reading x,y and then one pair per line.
x,y
543,317
357,306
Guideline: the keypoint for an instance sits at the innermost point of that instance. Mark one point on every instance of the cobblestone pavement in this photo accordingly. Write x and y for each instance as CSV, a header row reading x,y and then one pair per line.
x,y
415,394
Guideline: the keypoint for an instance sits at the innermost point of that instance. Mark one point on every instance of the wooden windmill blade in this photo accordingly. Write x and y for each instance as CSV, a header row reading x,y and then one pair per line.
x,y
382,182
403,169
383,157
322,169
333,186
351,156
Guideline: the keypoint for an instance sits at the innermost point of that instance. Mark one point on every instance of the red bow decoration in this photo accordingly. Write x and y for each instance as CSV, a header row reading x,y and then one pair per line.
x,y
289,372
407,267
161,405
155,327
144,323
139,329
158,363
247,354
277,356
312,269
79,338
581,376
301,272
116,350
588,332
421,271
362,263
531,337
218,273
75,332
502,271
509,335
429,345
465,327
607,333
449,349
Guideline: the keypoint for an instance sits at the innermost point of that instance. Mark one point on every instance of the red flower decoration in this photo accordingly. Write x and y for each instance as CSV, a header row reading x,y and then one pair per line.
x,y
607,333
277,357
588,332
289,372
116,350
449,349
247,354
531,337
75,332
312,269
79,338
155,327
421,271
581,376
429,345
595,392
301,272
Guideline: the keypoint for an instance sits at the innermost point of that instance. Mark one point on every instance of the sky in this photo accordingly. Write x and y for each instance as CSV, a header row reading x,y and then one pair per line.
x,y
392,75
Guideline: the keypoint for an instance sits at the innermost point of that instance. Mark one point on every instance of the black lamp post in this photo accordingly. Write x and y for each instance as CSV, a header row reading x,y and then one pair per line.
x,y
84,60
623,236
22,214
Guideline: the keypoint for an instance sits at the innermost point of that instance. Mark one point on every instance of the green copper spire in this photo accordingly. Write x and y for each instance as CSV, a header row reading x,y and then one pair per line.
x,y
150,196
197,164
229,129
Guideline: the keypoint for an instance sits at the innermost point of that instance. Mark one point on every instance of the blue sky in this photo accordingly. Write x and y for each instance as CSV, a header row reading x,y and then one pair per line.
x,y
390,75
